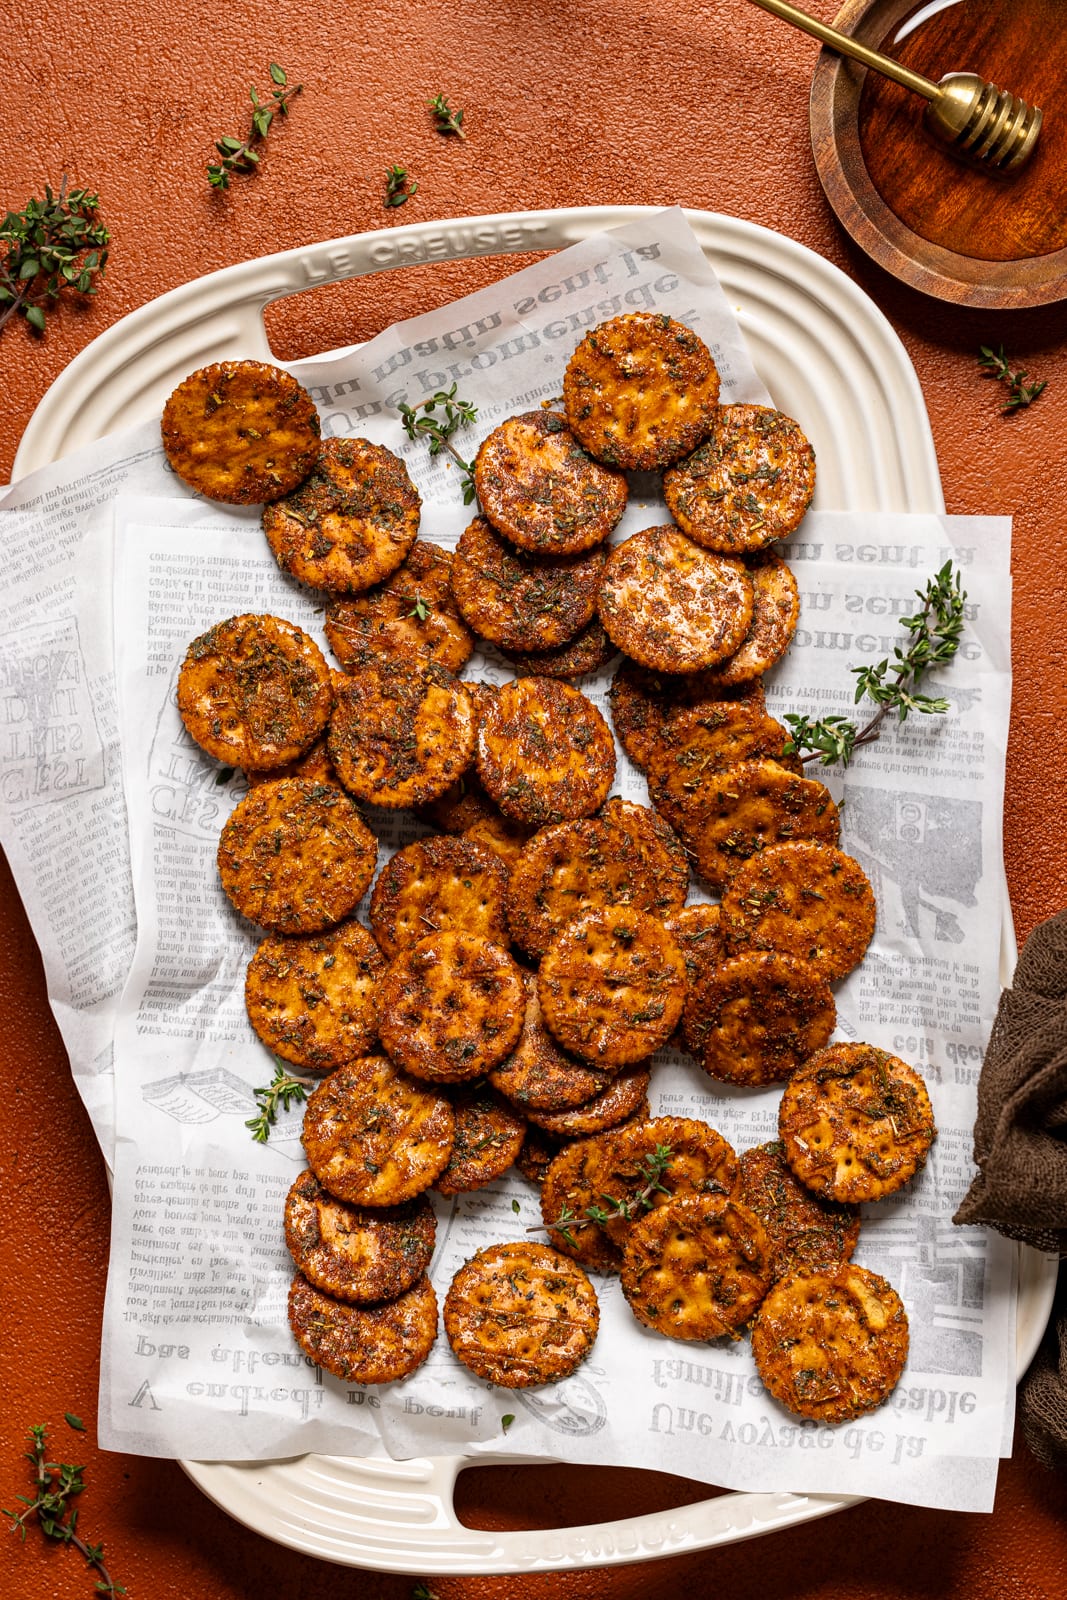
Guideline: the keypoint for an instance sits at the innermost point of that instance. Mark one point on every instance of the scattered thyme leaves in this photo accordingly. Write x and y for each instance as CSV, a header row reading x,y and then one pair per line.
x,y
445,120
506,1420
515,1206
241,155
935,632
994,363
282,1091
399,186
438,431
74,1422
57,1483
51,245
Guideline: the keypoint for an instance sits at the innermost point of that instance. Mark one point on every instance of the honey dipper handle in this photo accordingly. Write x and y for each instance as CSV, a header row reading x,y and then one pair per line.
x,y
850,47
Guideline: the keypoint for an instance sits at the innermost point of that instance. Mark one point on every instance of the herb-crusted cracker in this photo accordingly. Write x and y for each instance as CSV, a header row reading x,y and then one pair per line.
x,y
775,612
761,1014
641,390
644,705
538,1075
739,812
241,431
545,754
570,1191
353,1252
254,691
520,601
587,652
489,1136
541,490
808,899
831,1345
856,1123
401,732
617,1102
350,523
521,1314
450,1007
671,605
696,1268
296,857
412,613
364,1344
436,885
612,986
311,999
749,483
704,742
695,930
644,1165
804,1230
375,1137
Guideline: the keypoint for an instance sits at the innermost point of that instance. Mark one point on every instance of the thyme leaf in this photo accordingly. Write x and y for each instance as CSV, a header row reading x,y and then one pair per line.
x,y
994,363
445,120
399,186
282,1091
241,155
56,1484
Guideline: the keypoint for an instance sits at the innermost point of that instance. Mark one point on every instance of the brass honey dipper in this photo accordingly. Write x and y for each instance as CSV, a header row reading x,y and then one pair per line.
x,y
987,126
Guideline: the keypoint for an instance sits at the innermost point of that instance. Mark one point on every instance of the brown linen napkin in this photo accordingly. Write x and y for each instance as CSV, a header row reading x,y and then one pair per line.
x,y
1020,1147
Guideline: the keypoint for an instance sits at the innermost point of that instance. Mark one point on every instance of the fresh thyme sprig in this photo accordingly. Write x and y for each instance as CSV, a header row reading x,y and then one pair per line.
x,y
445,120
438,431
240,155
651,1169
53,244
935,630
994,363
279,1094
56,1483
399,186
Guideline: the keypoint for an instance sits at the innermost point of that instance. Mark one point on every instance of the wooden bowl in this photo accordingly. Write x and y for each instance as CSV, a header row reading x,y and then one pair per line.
x,y
955,232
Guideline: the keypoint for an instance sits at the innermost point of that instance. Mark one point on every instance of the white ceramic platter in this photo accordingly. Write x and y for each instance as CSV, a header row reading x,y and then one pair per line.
x,y
827,355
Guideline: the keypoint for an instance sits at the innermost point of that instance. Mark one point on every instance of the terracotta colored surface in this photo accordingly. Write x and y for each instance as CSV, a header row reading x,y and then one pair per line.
x,y
706,105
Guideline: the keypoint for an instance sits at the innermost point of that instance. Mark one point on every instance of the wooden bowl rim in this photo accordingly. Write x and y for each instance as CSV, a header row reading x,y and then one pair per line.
x,y
946,275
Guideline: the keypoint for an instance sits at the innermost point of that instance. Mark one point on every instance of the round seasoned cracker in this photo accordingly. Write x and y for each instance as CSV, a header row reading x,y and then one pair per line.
x,y
856,1123
570,1189
671,605
536,1155
350,523
521,1314
315,765
296,857
401,732
762,1014
412,613
312,1000
538,1075
697,1268
807,899
541,490
695,930
610,859
747,808
831,1345
775,613
749,483
241,431
644,705
489,1136
647,1164
450,1007
805,1231
612,986
374,1136
641,390
519,601
545,754
587,652
364,1344
254,691
617,1102
437,885
355,1253
703,743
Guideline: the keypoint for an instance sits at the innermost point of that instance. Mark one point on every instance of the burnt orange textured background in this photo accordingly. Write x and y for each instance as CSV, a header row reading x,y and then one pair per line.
x,y
595,101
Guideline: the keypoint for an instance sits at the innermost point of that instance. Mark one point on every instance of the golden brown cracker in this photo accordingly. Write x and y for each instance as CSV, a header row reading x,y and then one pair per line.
x,y
401,732
856,1122
241,431
312,999
353,1252
805,1230
807,899
375,1137
545,754
762,1014
450,1007
646,1164
696,1268
671,605
831,1345
641,390
437,885
412,613
520,601
644,704
775,613
254,691
703,743
749,483
588,651
617,1102
521,1314
745,809
489,1136
541,490
364,1344
570,1189
538,1075
296,857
